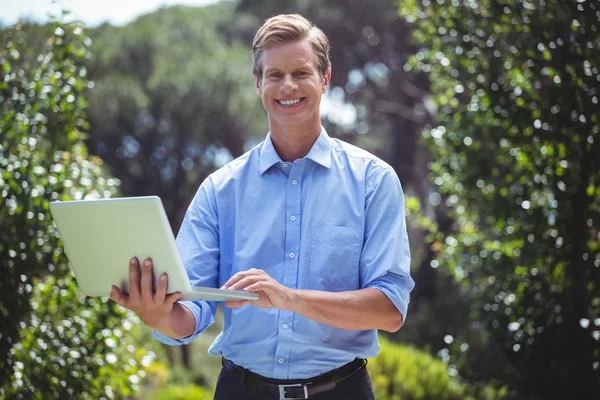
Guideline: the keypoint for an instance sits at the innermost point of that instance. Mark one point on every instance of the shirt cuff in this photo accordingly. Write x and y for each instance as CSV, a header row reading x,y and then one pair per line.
x,y
397,288
198,309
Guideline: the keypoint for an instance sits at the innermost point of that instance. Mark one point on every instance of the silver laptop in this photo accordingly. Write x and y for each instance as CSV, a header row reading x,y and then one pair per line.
x,y
101,236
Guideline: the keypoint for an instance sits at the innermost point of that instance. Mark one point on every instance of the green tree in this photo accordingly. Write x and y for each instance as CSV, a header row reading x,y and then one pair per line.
x,y
516,148
54,343
173,100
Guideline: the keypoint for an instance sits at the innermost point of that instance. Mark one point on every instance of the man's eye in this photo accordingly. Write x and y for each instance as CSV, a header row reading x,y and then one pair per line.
x,y
300,73
276,75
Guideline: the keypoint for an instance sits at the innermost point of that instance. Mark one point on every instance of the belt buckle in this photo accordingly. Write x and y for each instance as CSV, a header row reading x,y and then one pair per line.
x,y
282,392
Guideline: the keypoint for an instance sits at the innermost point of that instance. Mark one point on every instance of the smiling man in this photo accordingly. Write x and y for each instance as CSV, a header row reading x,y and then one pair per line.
x,y
314,225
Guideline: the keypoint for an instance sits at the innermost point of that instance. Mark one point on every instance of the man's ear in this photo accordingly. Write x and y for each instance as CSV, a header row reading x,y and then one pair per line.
x,y
257,86
326,80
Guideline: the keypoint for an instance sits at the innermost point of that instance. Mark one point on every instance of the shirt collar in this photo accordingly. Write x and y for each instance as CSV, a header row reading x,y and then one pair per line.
x,y
268,155
320,152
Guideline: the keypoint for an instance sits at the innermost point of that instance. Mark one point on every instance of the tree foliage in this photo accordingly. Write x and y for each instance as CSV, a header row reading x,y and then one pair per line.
x,y
173,100
516,148
514,160
54,343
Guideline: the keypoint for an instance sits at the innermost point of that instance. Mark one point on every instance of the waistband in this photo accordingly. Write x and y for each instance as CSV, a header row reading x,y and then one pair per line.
x,y
295,388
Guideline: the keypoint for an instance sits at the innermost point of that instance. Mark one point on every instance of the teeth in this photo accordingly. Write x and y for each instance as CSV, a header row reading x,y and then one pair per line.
x,y
289,102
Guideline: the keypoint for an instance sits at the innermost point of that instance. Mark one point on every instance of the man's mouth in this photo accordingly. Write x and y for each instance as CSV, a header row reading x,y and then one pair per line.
x,y
288,103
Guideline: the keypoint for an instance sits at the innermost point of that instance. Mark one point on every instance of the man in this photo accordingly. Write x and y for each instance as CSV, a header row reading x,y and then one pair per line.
x,y
314,225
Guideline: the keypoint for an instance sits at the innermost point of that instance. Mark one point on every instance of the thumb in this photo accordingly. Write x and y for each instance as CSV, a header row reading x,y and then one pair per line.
x,y
118,297
173,297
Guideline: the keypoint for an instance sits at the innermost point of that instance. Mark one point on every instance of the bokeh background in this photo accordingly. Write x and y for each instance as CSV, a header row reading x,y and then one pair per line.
x,y
487,110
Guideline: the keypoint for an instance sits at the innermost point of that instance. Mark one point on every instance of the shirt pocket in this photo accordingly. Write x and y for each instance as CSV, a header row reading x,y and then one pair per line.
x,y
334,257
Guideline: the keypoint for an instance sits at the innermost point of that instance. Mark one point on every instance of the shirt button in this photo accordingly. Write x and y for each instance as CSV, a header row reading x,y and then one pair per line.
x,y
293,217
284,326
280,360
294,182
292,255
285,165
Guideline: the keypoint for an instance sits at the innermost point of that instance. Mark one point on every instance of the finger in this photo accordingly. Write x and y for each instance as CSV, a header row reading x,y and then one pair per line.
x,y
237,303
249,280
161,290
118,297
256,287
147,281
239,276
173,297
235,278
134,279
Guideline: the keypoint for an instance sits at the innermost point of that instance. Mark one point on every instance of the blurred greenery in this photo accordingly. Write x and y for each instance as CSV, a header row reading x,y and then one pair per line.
x,y
173,100
496,101
406,373
183,392
515,159
54,343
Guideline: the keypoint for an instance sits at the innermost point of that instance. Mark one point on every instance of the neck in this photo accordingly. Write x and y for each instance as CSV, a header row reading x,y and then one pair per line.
x,y
292,143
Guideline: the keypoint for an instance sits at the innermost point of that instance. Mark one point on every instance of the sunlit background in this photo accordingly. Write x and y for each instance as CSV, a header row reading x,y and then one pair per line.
x,y
488,112
91,13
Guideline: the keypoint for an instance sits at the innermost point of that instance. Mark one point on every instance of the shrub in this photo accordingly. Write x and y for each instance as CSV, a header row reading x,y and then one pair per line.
x,y
404,372
183,392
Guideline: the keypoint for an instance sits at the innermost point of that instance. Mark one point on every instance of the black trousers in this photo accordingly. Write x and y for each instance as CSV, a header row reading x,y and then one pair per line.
x,y
356,387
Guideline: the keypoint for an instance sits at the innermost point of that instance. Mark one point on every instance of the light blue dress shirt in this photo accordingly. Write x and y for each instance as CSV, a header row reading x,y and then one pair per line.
x,y
332,221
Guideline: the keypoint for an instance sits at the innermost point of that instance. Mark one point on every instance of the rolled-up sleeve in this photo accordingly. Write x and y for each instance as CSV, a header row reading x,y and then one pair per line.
x,y
385,257
198,245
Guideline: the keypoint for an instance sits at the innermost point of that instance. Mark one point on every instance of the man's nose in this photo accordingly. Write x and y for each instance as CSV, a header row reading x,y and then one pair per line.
x,y
289,85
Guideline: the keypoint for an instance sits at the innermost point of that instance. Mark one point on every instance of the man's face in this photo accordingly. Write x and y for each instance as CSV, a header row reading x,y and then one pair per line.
x,y
291,86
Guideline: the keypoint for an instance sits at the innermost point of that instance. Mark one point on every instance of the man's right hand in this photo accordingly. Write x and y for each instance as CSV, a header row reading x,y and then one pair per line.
x,y
153,308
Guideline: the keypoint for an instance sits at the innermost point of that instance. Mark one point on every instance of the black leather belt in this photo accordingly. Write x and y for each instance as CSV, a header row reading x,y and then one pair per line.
x,y
295,389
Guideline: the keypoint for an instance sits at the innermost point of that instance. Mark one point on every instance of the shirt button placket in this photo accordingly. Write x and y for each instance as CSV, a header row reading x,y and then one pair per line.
x,y
292,248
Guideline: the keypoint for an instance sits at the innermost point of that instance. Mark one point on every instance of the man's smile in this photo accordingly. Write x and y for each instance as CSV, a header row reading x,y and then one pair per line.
x,y
290,103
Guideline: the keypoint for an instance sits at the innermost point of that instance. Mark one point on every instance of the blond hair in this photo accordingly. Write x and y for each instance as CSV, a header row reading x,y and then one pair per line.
x,y
288,28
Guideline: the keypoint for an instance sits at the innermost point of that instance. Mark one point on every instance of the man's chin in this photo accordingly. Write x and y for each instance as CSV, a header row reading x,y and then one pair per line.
x,y
290,121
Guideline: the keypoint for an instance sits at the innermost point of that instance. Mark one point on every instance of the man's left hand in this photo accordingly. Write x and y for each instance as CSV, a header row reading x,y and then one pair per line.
x,y
272,293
